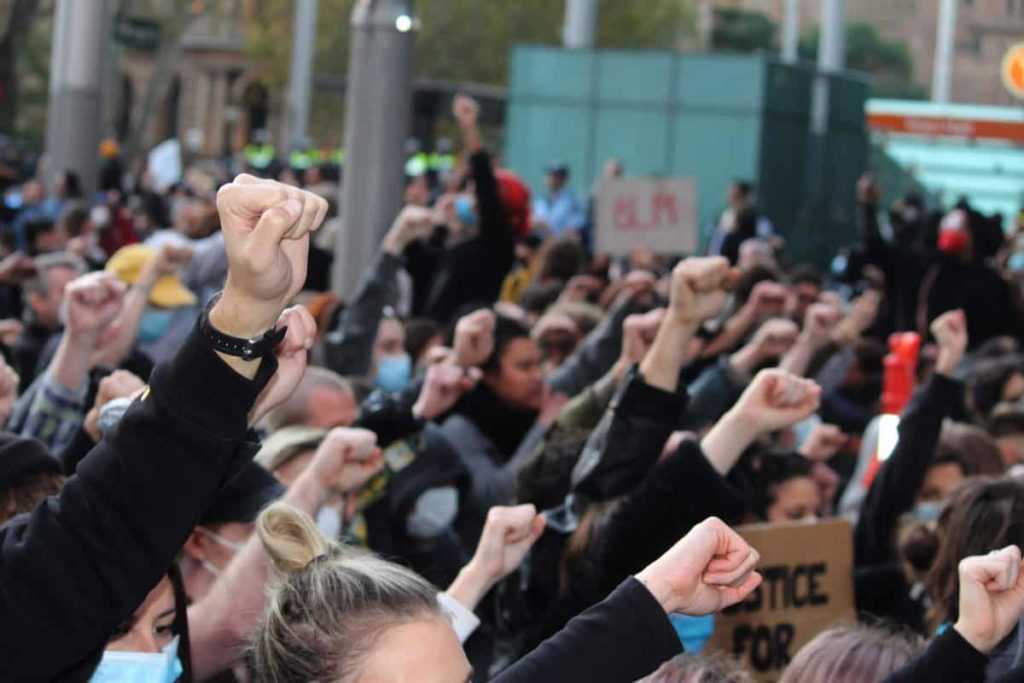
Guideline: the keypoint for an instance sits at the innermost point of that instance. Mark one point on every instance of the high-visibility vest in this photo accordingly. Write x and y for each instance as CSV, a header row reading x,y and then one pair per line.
x,y
259,156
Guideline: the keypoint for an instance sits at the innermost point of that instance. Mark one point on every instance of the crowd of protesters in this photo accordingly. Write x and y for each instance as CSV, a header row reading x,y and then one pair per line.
x,y
504,456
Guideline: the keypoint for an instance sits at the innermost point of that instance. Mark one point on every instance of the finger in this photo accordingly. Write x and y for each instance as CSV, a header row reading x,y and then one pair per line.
x,y
735,576
275,223
250,197
731,595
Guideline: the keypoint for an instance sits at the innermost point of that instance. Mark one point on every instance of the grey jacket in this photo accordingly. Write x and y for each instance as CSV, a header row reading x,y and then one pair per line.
x,y
595,356
348,349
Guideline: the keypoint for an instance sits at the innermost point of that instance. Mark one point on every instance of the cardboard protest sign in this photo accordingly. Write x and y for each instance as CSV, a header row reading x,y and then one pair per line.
x,y
647,212
807,588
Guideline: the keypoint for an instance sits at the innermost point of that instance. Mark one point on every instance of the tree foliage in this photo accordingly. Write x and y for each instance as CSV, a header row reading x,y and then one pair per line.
x,y
737,30
888,62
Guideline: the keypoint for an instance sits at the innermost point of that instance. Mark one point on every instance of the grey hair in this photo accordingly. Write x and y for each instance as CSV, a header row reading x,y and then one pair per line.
x,y
703,668
331,603
293,410
38,284
852,654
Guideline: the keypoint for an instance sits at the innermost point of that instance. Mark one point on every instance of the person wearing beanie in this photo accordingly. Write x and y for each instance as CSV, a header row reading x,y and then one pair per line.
x,y
28,474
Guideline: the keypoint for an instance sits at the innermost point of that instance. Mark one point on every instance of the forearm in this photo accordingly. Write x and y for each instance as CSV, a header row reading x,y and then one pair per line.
x,y
471,585
117,349
221,624
798,359
660,367
471,138
734,330
72,361
726,442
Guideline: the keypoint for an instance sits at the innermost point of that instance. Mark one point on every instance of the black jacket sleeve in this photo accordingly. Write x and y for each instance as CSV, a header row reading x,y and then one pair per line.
x,y
621,639
948,659
81,563
900,479
390,416
679,493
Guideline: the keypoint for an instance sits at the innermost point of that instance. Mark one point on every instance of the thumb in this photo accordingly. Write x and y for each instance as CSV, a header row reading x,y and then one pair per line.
x,y
275,223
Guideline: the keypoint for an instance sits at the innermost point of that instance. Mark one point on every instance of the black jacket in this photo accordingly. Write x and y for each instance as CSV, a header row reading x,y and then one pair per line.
x,y
948,659
82,562
445,280
620,640
880,586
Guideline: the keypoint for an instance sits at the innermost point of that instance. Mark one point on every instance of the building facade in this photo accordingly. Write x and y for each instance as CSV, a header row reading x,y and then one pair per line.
x,y
985,30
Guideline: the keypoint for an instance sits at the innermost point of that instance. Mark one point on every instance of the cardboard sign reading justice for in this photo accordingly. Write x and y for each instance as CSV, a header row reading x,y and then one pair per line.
x,y
807,588
644,212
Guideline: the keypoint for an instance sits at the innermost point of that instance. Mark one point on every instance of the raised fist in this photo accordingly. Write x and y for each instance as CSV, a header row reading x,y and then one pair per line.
x,y
266,228
699,288
466,110
638,333
474,338
444,385
709,569
91,303
774,338
777,399
411,224
346,459
950,331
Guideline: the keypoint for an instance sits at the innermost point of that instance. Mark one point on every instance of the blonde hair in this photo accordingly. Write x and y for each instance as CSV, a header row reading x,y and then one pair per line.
x,y
703,668
330,604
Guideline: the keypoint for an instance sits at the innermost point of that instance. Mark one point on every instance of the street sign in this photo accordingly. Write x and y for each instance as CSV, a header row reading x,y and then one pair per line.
x,y
137,33
1013,70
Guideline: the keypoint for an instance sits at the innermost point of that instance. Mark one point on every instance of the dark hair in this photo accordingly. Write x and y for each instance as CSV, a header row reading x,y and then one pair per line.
x,y
73,220
506,330
539,297
34,229
743,186
983,515
805,272
546,478
562,260
72,185
1007,422
985,388
970,447
28,493
766,471
750,279
418,332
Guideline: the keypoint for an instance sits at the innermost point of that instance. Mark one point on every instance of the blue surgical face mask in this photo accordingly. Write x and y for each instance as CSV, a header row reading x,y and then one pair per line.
x,y
394,372
1016,262
465,210
693,632
928,512
139,667
154,324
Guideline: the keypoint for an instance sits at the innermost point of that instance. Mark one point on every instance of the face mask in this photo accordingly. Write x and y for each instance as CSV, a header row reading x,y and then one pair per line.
x,y
927,512
154,324
139,667
693,632
394,372
465,211
1016,262
433,512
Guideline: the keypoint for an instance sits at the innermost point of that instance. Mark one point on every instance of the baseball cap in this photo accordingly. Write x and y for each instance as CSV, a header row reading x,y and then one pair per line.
x,y
168,292
21,458
286,443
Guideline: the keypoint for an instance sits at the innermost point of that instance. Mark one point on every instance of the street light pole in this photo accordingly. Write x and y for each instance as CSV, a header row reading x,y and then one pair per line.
x,y
580,23
831,51
300,83
378,105
791,31
74,120
942,73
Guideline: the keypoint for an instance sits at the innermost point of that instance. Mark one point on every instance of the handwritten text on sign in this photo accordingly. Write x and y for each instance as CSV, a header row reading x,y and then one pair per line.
x,y
658,214
807,588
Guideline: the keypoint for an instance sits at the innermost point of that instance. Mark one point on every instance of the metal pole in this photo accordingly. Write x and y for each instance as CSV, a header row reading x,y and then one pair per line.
x,y
300,83
942,73
791,31
831,49
74,124
580,23
378,105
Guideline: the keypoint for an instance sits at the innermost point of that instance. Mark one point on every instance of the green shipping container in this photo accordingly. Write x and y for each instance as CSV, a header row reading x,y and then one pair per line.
x,y
711,117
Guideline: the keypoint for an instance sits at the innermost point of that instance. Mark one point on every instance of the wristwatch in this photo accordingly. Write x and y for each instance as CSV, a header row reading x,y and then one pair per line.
x,y
246,349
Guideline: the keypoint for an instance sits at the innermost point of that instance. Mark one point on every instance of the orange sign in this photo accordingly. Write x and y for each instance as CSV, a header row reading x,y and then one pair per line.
x,y
947,127
1013,70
